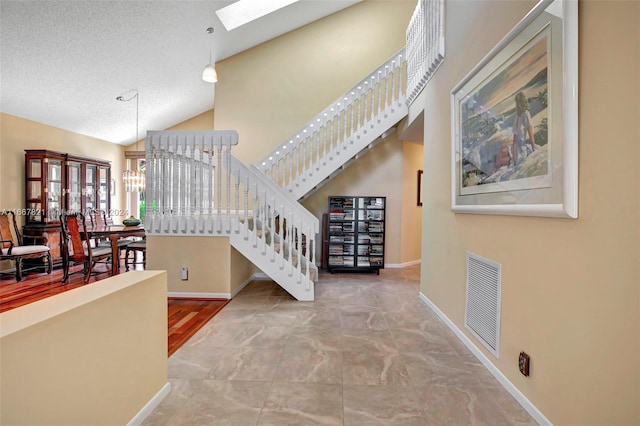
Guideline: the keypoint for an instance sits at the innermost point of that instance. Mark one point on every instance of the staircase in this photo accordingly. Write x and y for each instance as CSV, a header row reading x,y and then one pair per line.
x,y
195,187
354,123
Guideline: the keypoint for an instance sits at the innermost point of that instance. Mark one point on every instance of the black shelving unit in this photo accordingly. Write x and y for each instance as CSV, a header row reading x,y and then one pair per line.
x,y
356,233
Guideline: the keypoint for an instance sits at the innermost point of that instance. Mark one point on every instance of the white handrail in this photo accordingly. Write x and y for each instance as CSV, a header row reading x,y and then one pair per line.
x,y
336,127
196,187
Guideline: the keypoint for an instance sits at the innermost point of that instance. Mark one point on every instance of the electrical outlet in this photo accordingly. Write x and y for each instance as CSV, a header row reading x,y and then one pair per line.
x,y
523,363
184,273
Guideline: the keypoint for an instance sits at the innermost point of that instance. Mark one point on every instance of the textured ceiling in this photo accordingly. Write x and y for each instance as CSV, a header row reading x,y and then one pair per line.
x,y
63,63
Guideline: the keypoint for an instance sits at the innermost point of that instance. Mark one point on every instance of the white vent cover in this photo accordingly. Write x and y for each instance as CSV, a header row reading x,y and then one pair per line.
x,y
482,311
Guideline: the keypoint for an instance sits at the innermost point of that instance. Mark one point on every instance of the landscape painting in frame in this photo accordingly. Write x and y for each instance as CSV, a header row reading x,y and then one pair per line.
x,y
504,124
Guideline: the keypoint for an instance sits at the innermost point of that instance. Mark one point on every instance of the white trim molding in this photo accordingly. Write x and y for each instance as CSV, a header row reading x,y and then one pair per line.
x,y
258,276
196,295
150,405
402,265
502,379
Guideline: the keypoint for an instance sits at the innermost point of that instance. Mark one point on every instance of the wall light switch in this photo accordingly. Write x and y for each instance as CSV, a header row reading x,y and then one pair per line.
x,y
184,273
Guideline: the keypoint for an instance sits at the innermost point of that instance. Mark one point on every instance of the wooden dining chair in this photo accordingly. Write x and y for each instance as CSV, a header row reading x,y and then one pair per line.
x,y
99,218
133,249
13,246
76,247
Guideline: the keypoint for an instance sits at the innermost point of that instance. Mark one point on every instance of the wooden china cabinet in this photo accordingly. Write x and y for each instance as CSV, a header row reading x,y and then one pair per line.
x,y
57,182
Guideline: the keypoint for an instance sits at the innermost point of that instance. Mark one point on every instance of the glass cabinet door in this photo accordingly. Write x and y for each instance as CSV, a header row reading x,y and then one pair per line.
x,y
34,189
54,189
91,187
103,192
74,187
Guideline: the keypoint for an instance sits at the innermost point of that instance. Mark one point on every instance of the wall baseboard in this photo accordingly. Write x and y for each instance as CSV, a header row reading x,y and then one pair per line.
x,y
402,265
244,284
150,405
258,276
502,379
190,295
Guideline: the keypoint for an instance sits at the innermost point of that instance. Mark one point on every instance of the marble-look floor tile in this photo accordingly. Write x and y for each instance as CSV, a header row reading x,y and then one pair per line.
x,y
245,363
318,318
223,403
232,316
360,317
400,303
443,369
212,335
318,339
280,292
366,352
310,366
181,391
410,340
381,405
276,317
459,405
261,335
302,404
257,288
513,412
355,340
355,295
182,365
373,368
254,302
423,321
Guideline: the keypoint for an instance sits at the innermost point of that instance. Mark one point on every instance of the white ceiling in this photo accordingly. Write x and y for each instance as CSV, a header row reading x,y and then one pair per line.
x,y
63,63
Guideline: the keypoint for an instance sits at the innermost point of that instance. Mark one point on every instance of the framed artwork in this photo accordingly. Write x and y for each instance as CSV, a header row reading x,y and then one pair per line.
x,y
515,121
420,172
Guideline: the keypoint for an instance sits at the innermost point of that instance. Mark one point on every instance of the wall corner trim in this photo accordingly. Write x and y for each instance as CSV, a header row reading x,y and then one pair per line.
x,y
150,405
502,379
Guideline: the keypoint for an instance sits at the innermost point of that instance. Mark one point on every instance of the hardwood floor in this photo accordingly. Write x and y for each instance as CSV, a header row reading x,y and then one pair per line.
x,y
185,316
36,286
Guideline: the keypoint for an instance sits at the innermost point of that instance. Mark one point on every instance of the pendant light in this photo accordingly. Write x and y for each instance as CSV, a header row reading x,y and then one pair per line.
x,y
134,180
209,74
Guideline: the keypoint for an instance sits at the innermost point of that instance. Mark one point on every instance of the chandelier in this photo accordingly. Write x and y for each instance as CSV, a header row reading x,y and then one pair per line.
x,y
134,180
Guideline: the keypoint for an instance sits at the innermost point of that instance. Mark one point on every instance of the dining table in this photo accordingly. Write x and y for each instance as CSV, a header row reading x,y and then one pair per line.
x,y
114,233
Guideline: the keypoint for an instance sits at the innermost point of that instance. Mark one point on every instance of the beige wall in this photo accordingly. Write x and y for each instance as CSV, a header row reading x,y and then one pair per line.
x,y
215,268
269,92
18,134
95,355
411,218
240,271
570,288
202,121
383,171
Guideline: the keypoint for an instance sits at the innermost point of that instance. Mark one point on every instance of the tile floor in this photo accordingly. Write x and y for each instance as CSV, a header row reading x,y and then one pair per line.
x,y
366,352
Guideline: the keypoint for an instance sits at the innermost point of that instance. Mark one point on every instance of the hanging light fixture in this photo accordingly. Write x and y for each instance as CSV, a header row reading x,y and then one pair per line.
x,y
209,74
134,180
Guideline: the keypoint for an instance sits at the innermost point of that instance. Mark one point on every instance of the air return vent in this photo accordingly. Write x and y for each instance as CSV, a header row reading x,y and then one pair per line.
x,y
482,311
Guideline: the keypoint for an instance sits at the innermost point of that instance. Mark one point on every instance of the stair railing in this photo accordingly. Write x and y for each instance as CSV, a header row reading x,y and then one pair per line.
x,y
195,186
344,121
186,182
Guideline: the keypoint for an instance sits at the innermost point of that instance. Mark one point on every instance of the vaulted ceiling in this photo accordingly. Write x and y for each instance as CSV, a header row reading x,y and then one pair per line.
x,y
63,63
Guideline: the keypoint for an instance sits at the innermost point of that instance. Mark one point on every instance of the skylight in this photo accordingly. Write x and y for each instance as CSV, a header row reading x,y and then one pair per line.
x,y
245,11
